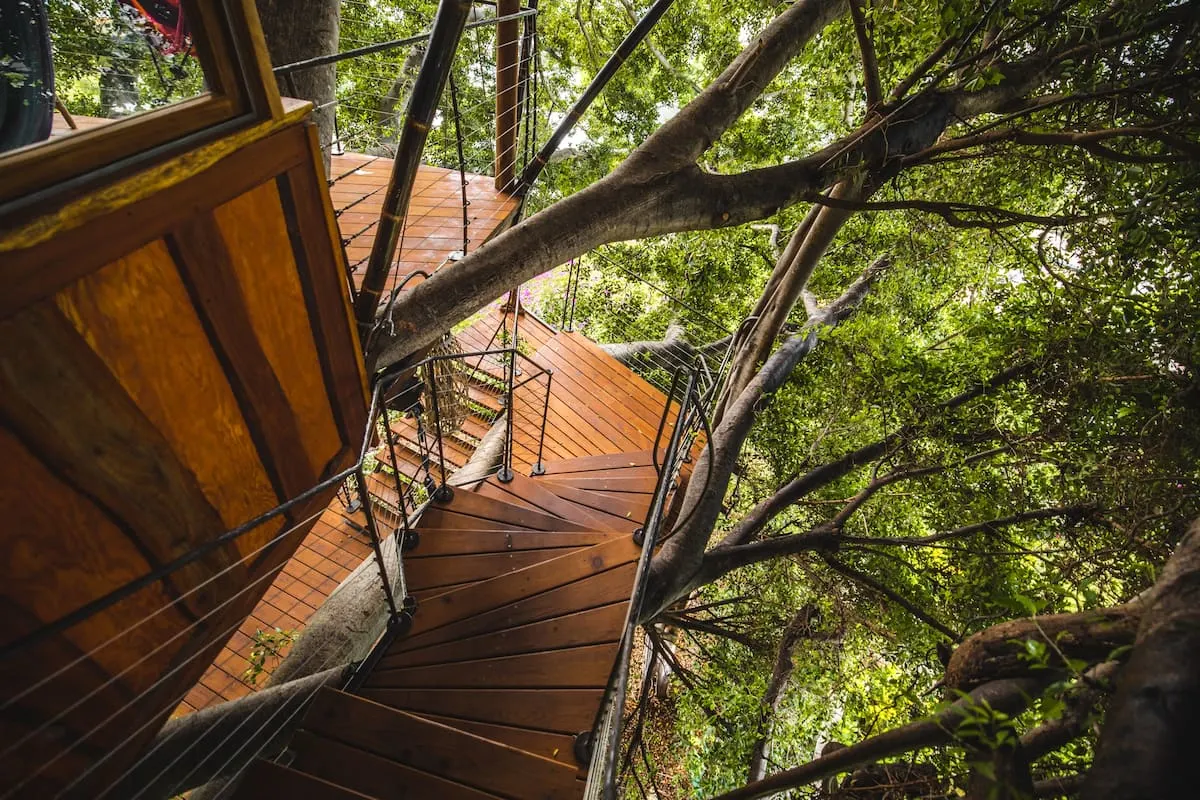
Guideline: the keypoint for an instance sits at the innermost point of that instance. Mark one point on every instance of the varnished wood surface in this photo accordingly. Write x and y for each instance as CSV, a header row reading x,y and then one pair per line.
x,y
166,372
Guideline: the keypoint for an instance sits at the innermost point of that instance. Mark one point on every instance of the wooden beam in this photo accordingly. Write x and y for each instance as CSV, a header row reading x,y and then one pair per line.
x,y
508,115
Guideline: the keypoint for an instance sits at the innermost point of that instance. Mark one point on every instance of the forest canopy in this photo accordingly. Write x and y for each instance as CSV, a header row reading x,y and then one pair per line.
x,y
950,249
1003,424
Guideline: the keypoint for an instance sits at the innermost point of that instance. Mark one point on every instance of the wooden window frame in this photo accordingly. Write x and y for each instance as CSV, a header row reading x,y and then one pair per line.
x,y
242,91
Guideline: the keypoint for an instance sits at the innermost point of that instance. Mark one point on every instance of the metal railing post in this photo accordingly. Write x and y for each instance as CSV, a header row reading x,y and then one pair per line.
x,y
506,474
376,545
443,492
539,468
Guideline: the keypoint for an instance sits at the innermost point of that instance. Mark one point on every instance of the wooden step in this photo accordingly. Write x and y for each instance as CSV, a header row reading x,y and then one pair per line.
x,y
373,775
470,510
556,710
592,626
558,747
451,570
628,509
618,485
640,458
267,779
540,498
450,541
439,750
584,667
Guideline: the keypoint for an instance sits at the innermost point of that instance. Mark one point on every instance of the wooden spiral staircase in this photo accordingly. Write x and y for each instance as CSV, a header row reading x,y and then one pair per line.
x,y
523,589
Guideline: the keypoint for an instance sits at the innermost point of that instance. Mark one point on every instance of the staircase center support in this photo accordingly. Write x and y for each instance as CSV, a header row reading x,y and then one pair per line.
x,y
426,95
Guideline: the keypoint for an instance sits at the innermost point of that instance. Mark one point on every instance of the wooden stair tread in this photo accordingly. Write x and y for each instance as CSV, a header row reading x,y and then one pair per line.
x,y
265,779
555,710
447,752
433,571
640,458
587,666
452,541
592,626
619,485
374,775
470,507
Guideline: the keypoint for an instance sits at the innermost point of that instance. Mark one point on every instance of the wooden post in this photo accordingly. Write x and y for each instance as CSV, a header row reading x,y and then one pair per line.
x,y
507,112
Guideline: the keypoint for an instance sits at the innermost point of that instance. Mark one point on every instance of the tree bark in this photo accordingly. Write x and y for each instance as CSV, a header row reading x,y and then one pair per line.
x,y
1151,735
300,29
218,741
796,630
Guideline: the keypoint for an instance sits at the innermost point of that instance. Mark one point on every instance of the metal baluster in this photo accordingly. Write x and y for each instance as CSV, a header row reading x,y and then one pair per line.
x,y
443,493
506,474
539,468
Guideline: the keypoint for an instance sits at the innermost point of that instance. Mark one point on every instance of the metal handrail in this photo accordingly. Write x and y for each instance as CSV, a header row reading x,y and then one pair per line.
x,y
606,728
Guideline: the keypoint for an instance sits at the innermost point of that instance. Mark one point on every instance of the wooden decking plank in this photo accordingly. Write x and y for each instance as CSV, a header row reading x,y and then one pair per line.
x,y
374,775
637,458
447,541
583,667
592,413
438,749
593,626
547,501
615,506
475,505
436,571
557,746
555,710
475,600
636,485
268,779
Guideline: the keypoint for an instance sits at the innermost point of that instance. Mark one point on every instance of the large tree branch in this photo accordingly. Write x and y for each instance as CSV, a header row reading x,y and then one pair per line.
x,y
989,217
762,514
681,557
1007,696
1150,737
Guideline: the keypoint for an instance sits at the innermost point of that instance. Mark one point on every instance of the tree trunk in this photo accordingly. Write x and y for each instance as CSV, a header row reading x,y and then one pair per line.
x,y
218,741
300,29
1151,735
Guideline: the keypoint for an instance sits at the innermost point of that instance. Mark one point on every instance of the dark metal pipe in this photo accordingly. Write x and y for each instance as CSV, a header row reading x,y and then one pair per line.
x,y
623,51
437,427
506,474
376,545
422,106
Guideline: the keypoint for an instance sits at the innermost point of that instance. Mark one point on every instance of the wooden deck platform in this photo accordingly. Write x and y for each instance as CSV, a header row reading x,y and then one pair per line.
x,y
433,230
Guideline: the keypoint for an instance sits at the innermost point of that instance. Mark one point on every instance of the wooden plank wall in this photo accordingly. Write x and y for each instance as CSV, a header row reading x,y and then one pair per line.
x,y
171,366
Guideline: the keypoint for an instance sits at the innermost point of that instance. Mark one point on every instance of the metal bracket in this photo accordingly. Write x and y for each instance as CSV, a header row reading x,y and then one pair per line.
x,y
412,540
538,469
443,494
583,747
505,475
639,536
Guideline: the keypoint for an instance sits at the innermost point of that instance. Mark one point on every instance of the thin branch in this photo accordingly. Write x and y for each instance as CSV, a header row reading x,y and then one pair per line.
x,y
975,527
867,48
874,585
989,217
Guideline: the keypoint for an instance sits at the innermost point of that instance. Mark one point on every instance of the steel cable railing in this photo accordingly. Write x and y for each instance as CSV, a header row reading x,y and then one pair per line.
x,y
390,499
600,746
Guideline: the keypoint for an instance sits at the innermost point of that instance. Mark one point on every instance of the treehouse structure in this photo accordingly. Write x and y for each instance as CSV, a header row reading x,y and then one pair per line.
x,y
194,458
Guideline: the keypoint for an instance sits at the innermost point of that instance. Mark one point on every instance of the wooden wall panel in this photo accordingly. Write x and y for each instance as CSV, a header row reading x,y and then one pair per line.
x,y
136,316
169,370
256,232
